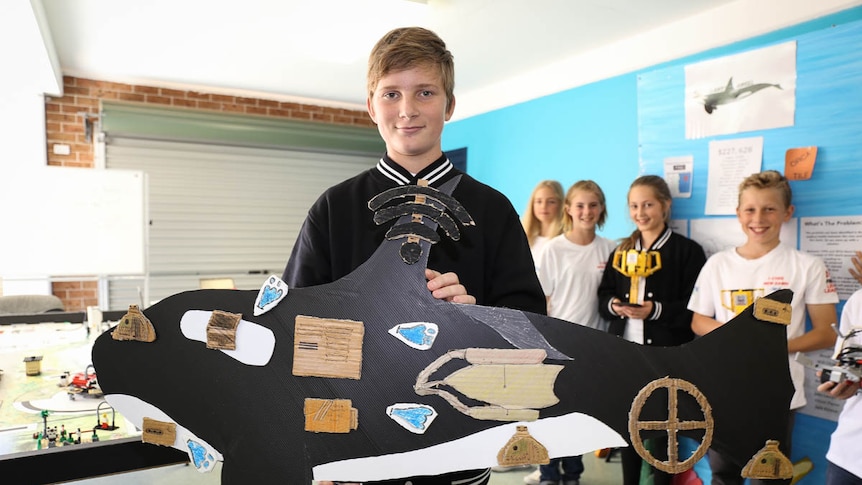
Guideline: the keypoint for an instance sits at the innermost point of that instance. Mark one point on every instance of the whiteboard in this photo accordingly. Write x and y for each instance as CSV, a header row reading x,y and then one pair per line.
x,y
62,221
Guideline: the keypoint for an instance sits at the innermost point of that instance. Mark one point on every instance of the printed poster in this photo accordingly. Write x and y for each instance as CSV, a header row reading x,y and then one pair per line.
x,y
754,90
730,162
834,240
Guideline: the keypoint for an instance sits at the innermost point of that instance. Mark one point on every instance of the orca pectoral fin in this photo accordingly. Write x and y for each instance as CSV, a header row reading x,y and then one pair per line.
x,y
514,326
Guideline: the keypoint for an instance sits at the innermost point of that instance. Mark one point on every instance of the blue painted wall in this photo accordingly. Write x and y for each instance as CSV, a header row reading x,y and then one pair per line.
x,y
591,132
586,132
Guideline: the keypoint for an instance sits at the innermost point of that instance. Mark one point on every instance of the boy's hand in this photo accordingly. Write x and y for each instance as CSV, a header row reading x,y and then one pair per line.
x,y
843,390
447,287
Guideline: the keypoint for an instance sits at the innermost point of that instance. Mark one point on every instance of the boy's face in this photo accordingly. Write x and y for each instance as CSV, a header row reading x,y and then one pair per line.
x,y
761,213
409,108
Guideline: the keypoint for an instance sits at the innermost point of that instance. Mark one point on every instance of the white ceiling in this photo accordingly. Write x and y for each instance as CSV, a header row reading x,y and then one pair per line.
x,y
506,51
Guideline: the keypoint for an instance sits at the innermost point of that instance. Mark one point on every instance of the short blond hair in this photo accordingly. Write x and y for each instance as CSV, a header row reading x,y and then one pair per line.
x,y
768,179
408,47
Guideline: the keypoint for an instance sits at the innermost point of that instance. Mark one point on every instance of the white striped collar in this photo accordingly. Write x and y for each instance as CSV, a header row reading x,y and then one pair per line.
x,y
433,173
665,236
391,173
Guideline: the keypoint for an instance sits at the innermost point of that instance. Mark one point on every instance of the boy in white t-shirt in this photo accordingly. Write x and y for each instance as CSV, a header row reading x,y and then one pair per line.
x,y
731,280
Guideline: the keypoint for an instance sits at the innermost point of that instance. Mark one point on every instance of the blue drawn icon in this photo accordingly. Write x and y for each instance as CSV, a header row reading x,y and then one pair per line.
x,y
270,294
200,457
414,417
419,335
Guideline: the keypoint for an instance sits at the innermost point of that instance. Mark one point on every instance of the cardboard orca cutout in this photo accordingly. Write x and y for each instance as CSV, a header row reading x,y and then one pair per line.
x,y
247,408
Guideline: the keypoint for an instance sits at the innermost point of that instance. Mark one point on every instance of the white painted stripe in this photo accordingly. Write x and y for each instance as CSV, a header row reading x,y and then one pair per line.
x,y
569,435
474,480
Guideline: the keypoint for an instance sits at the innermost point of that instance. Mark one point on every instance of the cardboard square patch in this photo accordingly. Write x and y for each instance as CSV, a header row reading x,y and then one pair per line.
x,y
330,415
325,347
221,330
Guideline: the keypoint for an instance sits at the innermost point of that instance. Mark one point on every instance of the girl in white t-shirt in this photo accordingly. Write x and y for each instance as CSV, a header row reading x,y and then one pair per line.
x,y
570,269
571,265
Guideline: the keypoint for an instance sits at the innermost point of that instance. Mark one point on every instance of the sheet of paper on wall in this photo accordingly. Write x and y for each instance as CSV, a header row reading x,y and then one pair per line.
x,y
679,226
679,175
834,239
730,161
754,90
799,163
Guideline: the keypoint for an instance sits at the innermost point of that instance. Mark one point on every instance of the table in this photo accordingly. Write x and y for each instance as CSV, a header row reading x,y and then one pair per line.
x,y
63,347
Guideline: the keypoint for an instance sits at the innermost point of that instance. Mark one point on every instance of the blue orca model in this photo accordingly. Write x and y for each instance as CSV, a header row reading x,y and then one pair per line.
x,y
247,408
730,94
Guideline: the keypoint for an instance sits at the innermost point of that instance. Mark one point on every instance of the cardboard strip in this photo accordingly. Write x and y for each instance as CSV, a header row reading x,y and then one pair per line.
x,y
772,311
158,432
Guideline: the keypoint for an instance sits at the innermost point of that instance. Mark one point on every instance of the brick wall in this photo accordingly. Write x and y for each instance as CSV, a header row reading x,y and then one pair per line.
x,y
65,117
77,295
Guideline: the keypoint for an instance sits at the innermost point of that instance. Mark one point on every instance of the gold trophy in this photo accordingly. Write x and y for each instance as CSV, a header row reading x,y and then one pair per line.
x,y
636,265
738,300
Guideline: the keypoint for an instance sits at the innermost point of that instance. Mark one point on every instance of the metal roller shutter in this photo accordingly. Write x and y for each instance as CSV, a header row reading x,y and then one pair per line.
x,y
220,211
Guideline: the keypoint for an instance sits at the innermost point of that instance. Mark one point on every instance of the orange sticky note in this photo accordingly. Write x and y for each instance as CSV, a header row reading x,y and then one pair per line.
x,y
799,163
